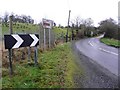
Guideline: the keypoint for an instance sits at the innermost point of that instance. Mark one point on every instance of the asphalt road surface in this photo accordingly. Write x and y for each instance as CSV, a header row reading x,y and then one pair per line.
x,y
104,55
98,62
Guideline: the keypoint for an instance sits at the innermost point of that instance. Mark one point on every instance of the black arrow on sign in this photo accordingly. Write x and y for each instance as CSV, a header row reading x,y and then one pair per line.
x,y
27,40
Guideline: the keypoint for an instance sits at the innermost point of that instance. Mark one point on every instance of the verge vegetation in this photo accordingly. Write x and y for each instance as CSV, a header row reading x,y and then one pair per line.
x,y
111,42
55,69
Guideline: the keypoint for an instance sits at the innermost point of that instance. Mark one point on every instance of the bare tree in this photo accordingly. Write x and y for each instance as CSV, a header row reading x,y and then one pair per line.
x,y
88,22
6,17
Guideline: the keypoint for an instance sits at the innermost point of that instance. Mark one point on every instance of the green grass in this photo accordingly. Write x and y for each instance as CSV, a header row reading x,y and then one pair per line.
x,y
111,42
61,31
27,28
55,70
32,28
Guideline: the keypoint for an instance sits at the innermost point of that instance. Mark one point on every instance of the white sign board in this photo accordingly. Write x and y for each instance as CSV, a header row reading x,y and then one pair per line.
x,y
47,23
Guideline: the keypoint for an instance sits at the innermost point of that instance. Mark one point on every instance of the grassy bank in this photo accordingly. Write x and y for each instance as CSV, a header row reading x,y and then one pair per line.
x,y
111,42
55,70
61,32
29,28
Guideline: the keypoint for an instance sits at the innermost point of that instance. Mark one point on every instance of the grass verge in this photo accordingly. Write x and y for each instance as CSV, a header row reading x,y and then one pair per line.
x,y
111,42
55,70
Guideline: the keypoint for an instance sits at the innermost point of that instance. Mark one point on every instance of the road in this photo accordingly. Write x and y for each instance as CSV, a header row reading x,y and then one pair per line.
x,y
105,56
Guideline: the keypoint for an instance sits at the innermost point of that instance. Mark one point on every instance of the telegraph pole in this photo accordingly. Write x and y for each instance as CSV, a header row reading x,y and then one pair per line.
x,y
68,26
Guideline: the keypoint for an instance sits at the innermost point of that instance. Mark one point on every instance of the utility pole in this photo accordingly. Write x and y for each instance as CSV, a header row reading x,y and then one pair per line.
x,y
72,32
68,26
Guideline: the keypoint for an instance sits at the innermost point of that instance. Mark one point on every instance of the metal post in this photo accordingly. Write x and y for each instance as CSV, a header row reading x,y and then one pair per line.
x,y
49,38
35,57
10,61
68,26
44,40
29,54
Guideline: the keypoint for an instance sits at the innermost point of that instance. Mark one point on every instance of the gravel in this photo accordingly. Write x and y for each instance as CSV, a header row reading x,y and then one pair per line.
x,y
94,75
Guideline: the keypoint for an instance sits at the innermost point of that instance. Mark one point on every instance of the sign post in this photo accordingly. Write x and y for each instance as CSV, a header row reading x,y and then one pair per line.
x,y
35,57
20,40
47,24
10,61
10,50
29,54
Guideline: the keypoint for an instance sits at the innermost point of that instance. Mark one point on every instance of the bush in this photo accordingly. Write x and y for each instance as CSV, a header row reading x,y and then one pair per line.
x,y
110,28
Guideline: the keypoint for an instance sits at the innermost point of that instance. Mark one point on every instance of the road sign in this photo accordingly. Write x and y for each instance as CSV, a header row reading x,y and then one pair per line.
x,y
21,40
47,23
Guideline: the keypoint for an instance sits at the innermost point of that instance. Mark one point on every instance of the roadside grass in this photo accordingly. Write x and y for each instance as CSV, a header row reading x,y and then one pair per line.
x,y
111,42
55,69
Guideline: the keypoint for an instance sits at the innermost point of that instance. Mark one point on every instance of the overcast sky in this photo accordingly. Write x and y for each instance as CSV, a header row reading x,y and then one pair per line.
x,y
57,10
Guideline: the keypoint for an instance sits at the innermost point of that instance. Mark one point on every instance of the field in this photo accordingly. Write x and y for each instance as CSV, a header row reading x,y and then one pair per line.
x,y
20,28
30,28
61,31
55,69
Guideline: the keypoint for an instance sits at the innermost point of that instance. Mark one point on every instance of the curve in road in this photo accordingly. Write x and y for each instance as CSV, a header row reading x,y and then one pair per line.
x,y
104,55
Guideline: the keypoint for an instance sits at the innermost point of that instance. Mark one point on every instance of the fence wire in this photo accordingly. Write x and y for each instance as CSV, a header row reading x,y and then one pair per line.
x,y
52,37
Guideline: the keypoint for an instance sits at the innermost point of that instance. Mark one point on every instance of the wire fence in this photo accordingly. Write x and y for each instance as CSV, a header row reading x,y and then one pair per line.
x,y
52,37
23,28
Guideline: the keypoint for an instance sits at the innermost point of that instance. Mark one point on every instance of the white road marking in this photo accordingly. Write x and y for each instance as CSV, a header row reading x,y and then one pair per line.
x,y
104,49
108,51
90,43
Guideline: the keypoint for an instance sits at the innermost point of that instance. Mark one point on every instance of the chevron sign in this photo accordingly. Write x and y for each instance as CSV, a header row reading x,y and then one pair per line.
x,y
21,40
